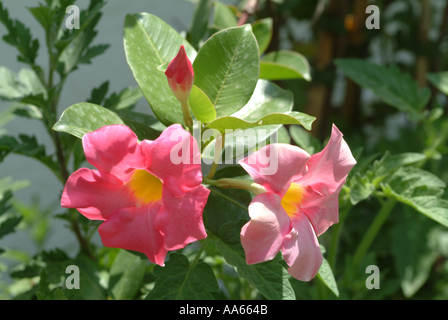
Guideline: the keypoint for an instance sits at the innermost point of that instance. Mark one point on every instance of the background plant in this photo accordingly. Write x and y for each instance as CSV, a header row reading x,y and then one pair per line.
x,y
385,89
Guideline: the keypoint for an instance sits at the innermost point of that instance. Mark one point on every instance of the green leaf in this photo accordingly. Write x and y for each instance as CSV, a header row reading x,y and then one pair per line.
x,y
180,281
199,22
201,105
262,30
361,188
27,146
20,37
150,42
233,123
439,80
283,65
126,276
269,278
305,139
227,69
413,256
325,274
223,17
227,205
8,226
84,117
419,189
15,86
90,287
395,88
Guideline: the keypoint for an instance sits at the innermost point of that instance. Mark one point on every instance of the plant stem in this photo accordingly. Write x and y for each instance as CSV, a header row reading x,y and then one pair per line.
x,y
371,233
226,183
336,233
201,249
187,115
219,144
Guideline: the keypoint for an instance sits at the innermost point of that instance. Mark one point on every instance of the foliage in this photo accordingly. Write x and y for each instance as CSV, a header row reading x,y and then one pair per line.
x,y
253,70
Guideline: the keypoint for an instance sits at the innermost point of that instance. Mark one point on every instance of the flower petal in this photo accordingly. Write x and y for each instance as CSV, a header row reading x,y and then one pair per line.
x,y
262,236
304,265
329,167
95,194
274,172
322,210
178,173
114,149
180,217
133,229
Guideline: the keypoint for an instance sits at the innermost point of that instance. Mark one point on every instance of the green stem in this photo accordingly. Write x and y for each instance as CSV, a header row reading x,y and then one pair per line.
x,y
335,235
219,144
201,250
226,183
371,233
187,116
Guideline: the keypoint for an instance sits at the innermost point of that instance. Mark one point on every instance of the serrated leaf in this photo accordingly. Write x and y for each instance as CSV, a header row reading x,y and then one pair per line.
x,y
283,65
269,278
419,189
395,88
227,68
150,42
179,281
126,275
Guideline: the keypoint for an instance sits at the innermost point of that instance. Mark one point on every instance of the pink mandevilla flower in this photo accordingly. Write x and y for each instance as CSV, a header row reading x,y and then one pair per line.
x,y
300,204
148,204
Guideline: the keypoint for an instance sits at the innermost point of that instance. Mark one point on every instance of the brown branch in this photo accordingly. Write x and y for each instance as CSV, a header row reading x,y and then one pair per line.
x,y
249,9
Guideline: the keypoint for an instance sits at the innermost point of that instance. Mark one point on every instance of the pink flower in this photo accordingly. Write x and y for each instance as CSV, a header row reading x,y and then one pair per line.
x,y
180,75
300,204
148,204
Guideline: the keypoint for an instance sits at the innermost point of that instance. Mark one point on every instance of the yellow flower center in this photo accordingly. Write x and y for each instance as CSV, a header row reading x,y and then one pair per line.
x,y
291,200
145,186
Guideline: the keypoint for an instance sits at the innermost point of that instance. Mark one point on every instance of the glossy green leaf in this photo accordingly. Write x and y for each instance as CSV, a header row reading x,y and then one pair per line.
x,y
283,65
223,17
126,275
395,88
201,105
269,278
439,80
262,30
199,22
292,117
177,280
82,118
148,43
227,68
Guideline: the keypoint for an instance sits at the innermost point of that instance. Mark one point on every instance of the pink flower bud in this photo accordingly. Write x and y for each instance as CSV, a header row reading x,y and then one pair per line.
x,y
180,75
